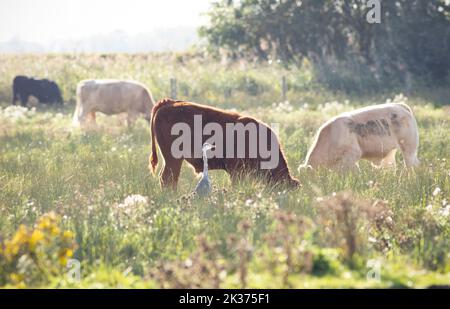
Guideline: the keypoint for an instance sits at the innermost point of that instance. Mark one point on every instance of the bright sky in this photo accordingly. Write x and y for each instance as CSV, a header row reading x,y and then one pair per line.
x,y
46,20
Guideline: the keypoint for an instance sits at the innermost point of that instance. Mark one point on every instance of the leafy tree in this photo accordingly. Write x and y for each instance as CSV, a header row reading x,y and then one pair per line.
x,y
412,39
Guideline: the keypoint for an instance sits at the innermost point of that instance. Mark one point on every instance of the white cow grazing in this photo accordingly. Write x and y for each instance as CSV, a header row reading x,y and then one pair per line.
x,y
112,97
373,133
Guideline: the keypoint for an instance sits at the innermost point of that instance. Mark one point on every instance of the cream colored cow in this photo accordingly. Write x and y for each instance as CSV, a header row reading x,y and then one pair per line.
x,y
111,97
373,133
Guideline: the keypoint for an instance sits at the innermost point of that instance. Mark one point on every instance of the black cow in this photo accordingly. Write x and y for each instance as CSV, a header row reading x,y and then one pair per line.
x,y
46,91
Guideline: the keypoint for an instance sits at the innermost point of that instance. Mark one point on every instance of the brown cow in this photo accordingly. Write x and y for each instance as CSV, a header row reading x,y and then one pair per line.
x,y
167,114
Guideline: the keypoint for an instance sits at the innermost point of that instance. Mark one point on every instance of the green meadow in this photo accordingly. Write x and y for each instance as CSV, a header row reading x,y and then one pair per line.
x,y
81,208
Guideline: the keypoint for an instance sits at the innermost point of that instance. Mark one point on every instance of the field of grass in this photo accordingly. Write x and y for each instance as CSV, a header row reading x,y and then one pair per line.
x,y
81,209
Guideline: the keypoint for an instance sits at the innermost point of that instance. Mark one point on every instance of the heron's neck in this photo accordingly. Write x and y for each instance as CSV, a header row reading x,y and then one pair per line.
x,y
205,165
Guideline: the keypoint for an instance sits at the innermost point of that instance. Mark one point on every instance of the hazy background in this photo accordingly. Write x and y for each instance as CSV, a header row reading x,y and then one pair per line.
x,y
99,26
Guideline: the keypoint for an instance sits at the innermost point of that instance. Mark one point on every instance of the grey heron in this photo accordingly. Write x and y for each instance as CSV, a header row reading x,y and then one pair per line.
x,y
203,187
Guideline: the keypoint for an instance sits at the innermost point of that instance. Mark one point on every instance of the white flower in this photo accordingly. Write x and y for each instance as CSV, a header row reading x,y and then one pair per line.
x,y
372,239
133,200
347,275
436,191
188,263
15,112
445,212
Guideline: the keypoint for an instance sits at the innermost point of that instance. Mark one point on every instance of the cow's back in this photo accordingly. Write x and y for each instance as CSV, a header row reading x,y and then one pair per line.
x,y
45,90
168,113
371,133
112,96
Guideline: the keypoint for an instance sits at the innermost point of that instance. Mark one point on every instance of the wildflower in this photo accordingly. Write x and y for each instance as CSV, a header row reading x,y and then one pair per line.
x,y
64,255
372,239
35,238
16,278
436,191
223,274
347,275
445,212
54,230
67,235
188,263
133,200
21,252
12,247
47,222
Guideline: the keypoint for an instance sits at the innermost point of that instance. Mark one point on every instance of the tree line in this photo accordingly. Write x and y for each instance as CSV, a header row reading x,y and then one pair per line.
x,y
410,42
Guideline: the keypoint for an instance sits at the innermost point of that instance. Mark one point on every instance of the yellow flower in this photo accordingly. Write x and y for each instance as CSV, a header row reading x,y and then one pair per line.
x,y
63,255
62,260
21,235
54,230
11,250
35,238
69,253
16,278
68,235
12,247
47,221
43,224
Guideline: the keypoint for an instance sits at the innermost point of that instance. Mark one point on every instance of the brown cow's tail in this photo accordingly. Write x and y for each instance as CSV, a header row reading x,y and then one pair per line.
x,y
154,153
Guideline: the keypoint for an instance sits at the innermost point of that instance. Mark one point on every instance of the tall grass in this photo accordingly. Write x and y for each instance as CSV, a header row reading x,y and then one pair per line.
x,y
232,85
245,235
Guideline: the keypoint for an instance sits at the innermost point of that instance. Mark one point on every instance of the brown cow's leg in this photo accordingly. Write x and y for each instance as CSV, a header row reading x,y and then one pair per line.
x,y
235,170
235,178
170,173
